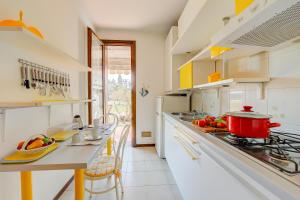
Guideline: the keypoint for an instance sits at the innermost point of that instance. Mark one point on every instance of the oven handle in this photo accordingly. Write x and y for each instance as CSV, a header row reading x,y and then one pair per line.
x,y
187,149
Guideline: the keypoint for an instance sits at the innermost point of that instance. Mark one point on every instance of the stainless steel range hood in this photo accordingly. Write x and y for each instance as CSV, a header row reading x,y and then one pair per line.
x,y
266,24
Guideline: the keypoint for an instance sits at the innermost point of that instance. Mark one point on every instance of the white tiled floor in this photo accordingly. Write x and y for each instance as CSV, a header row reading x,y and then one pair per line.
x,y
145,176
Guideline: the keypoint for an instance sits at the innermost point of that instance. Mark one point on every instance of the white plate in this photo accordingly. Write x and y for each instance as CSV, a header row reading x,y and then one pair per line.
x,y
92,138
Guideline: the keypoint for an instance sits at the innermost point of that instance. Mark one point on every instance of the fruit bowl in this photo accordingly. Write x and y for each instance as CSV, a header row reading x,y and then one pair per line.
x,y
35,144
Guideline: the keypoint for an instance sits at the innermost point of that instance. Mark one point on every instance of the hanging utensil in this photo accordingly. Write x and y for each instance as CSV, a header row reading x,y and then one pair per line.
x,y
47,82
43,85
53,88
22,69
69,84
50,83
65,83
27,82
37,77
55,83
61,85
33,78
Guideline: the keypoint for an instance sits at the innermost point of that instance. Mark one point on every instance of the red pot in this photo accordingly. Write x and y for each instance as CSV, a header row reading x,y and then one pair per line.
x,y
249,124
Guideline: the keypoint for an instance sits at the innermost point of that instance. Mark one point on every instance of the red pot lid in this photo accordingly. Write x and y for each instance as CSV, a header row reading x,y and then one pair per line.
x,y
248,113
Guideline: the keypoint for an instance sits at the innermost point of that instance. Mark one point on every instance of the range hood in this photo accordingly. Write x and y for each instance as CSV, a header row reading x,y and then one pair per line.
x,y
265,24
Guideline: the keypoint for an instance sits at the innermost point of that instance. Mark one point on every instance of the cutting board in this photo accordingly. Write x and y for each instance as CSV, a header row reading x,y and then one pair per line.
x,y
64,135
212,129
19,157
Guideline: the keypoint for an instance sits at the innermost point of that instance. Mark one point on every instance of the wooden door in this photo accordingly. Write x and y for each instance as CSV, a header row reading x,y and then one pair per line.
x,y
96,78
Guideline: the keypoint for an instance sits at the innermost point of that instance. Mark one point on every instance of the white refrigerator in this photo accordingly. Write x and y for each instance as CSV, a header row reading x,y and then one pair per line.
x,y
167,104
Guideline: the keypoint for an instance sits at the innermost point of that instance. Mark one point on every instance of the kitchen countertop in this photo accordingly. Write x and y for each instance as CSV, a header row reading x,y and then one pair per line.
x,y
245,166
64,157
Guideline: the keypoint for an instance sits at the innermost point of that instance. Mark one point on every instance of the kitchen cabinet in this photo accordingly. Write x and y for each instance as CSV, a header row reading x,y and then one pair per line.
x,y
172,62
247,69
199,20
197,174
186,76
241,5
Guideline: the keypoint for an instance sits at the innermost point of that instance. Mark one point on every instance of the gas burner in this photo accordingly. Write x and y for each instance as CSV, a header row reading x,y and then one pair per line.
x,y
281,150
279,155
232,139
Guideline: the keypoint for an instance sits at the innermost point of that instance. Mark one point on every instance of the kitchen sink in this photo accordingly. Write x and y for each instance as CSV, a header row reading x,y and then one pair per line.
x,y
187,119
189,116
183,113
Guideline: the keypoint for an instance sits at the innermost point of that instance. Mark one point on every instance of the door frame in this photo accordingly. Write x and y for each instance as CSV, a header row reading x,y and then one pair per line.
x,y
91,33
132,45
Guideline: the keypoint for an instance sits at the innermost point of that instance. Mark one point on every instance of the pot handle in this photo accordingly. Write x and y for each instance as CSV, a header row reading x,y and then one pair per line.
x,y
273,125
247,109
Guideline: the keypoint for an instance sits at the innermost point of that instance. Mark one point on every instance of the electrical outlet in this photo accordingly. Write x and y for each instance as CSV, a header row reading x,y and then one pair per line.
x,y
146,134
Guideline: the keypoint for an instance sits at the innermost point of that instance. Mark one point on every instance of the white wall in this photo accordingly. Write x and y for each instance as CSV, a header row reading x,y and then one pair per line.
x,y
64,25
282,93
149,72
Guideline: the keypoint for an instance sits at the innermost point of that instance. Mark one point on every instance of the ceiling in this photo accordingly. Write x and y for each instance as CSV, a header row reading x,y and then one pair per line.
x,y
142,15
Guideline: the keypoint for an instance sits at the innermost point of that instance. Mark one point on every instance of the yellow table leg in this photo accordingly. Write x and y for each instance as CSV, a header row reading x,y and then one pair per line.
x,y
109,146
26,185
79,184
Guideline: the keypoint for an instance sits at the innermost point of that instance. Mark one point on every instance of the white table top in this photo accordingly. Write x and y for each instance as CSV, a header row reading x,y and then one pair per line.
x,y
64,157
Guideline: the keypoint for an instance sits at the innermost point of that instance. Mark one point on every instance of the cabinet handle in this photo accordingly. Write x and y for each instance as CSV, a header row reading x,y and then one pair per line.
x,y
187,136
187,149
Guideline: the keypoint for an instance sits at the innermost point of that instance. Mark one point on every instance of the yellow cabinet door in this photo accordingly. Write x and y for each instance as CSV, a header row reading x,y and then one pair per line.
x,y
241,5
186,76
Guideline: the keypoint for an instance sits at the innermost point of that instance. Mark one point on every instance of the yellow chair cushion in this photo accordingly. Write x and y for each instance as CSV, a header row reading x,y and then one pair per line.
x,y
102,166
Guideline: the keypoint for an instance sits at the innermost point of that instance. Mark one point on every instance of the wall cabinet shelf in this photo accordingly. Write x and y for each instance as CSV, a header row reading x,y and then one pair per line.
x,y
228,82
20,38
27,104
198,22
205,55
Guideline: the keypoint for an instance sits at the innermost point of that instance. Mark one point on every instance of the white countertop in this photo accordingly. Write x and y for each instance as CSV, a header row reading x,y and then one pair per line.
x,y
278,183
64,157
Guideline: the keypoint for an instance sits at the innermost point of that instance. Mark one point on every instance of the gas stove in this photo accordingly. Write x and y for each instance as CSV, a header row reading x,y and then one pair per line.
x,y
281,150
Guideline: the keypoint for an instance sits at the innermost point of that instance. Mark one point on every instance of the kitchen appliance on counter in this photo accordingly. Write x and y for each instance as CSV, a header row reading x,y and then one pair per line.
x,y
180,103
77,119
249,124
250,132
280,150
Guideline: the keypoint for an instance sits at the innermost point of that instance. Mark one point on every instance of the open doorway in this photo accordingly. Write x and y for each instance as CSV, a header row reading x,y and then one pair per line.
x,y
119,64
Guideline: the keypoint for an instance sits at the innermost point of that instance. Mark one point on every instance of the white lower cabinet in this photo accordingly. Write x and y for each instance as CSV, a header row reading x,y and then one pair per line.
x,y
197,175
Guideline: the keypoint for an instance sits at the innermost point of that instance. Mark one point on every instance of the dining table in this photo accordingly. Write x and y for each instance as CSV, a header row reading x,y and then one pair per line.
x,y
65,157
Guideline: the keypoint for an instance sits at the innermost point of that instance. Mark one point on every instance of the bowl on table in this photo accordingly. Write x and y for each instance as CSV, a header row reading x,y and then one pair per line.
x,y
35,144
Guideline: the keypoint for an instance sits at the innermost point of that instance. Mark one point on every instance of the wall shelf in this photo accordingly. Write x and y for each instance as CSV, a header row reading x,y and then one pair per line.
x,y
228,82
28,104
20,38
199,22
204,55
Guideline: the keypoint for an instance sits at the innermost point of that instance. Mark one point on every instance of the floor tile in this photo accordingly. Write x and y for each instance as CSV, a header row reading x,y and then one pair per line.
x,y
134,166
159,193
145,177
158,178
152,165
132,193
134,179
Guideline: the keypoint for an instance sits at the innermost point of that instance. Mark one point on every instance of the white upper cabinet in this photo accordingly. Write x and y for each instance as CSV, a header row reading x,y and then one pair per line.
x,y
199,21
168,80
172,62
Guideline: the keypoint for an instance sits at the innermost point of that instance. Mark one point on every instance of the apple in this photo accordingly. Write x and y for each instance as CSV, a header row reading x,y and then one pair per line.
x,y
202,123
20,145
